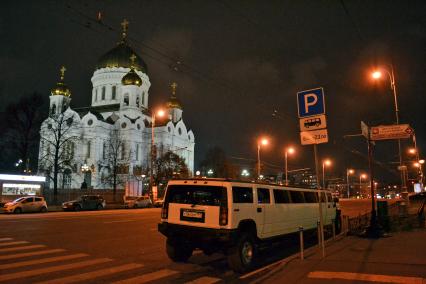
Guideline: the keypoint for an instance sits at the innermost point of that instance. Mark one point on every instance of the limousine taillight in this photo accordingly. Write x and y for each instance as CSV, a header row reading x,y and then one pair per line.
x,y
223,211
165,210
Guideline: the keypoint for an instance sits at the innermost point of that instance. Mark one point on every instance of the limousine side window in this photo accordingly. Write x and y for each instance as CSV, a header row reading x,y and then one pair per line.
x,y
263,196
329,197
310,197
297,197
281,196
242,194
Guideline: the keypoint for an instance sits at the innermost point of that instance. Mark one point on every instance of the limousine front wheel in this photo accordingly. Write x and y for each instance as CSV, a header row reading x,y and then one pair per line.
x,y
241,258
178,251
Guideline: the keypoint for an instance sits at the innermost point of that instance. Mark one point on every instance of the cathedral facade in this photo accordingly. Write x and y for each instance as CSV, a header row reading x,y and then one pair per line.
x,y
85,146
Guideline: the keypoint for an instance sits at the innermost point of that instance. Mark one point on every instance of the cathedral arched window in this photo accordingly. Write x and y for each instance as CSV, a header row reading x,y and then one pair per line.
x,y
114,92
143,98
53,110
126,99
96,95
89,145
137,101
103,93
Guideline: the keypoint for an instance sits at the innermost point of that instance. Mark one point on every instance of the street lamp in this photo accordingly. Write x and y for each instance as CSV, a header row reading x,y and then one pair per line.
x,y
159,113
325,163
361,177
348,172
261,142
376,75
289,150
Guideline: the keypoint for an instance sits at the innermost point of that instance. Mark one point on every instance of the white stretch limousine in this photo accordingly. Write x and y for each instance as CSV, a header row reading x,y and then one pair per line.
x,y
234,217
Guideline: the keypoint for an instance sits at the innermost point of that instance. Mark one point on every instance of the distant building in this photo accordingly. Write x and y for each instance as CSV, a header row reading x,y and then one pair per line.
x,y
304,177
119,112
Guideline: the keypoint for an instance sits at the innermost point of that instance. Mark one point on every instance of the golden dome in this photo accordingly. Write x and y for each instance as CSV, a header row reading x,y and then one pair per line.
x,y
132,78
174,102
119,56
61,88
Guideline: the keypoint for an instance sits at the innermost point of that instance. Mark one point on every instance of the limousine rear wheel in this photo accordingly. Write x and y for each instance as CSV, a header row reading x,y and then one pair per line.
x,y
242,257
178,251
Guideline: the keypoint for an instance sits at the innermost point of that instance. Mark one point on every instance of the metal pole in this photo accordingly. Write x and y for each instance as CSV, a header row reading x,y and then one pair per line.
x,y
323,176
286,169
301,243
347,182
258,161
333,228
321,231
151,177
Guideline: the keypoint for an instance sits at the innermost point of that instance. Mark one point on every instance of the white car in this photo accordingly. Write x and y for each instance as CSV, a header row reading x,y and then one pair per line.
x,y
26,204
138,202
236,218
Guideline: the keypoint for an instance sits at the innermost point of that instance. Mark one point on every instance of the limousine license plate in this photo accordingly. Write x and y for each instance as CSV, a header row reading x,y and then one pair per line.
x,y
192,215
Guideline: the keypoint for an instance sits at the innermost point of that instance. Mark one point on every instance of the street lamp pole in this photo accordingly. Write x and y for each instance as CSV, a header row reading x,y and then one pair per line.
x,y
348,172
263,142
324,163
151,176
287,151
391,75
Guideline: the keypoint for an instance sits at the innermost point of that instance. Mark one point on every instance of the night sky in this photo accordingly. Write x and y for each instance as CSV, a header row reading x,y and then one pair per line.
x,y
237,63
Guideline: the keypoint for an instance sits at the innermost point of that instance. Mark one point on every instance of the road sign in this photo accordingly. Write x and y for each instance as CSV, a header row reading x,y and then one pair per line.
x,y
311,102
314,137
364,130
389,132
313,123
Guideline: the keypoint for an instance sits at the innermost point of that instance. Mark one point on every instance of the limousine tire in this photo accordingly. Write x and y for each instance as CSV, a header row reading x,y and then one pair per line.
x,y
178,251
242,257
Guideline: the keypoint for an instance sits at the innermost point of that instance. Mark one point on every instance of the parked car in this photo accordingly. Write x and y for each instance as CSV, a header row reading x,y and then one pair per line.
x,y
138,202
158,203
85,202
26,204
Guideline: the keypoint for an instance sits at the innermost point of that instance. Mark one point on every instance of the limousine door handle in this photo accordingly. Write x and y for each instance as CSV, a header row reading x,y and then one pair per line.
x,y
259,209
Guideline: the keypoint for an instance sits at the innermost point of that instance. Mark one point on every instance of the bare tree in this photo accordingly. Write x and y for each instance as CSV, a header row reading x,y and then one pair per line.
x,y
58,134
170,166
20,126
117,158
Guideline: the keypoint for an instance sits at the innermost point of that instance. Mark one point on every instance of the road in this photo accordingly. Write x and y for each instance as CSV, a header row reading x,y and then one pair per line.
x,y
104,247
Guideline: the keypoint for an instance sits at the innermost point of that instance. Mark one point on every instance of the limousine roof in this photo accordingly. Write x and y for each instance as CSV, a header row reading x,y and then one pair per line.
x,y
242,181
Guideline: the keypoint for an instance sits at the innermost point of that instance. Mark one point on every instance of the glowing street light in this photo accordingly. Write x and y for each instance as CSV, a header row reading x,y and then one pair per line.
x,y
326,162
289,150
262,142
159,113
348,173
412,151
361,177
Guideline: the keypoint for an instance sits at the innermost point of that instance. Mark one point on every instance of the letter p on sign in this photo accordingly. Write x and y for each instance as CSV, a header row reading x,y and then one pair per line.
x,y
310,102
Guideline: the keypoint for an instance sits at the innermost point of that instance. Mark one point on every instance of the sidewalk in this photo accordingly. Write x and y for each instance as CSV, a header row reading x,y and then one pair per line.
x,y
400,258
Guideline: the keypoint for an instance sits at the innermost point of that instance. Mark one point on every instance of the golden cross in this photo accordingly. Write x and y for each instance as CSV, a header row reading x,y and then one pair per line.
x,y
174,86
132,59
124,26
63,69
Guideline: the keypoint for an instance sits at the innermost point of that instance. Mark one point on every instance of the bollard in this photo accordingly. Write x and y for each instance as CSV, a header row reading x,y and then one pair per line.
x,y
333,227
319,233
301,243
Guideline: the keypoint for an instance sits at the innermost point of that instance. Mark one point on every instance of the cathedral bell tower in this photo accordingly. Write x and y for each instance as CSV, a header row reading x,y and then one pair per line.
x,y
131,88
60,97
174,106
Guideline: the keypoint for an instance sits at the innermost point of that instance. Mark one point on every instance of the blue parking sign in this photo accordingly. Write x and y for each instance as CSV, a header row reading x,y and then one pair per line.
x,y
311,102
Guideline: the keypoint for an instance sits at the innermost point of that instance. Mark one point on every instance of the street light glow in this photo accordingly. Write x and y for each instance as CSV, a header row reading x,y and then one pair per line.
x,y
327,162
412,151
421,161
160,113
264,141
364,176
351,171
416,164
290,150
376,75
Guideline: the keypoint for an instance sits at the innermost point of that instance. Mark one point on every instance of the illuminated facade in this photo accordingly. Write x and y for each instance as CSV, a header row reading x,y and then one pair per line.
x,y
119,106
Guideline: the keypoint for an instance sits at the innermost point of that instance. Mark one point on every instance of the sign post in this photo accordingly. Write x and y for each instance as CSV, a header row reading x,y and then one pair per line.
x,y
313,131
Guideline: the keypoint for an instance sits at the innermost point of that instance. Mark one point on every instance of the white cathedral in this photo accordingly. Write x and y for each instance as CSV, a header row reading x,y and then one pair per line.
x,y
81,138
